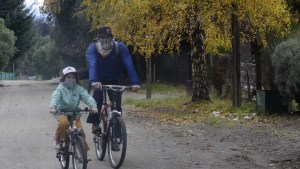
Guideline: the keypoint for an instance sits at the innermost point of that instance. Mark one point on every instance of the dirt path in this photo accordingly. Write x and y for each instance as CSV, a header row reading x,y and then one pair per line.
x,y
26,131
273,145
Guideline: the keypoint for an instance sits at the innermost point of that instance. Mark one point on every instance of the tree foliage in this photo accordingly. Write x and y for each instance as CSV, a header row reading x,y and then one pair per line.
x,y
156,26
43,58
47,61
7,41
295,6
71,30
286,63
159,25
20,20
153,26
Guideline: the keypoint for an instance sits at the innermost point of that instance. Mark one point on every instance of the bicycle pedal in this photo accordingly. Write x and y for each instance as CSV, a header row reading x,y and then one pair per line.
x,y
57,155
95,140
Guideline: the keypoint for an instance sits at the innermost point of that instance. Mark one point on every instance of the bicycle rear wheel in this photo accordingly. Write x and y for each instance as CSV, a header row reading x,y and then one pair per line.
x,y
117,142
63,155
100,140
79,157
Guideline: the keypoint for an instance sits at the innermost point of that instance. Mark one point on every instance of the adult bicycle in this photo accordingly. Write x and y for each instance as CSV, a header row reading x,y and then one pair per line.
x,y
113,135
73,145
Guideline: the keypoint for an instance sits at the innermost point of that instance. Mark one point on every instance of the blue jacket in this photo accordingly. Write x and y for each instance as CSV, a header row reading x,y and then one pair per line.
x,y
110,68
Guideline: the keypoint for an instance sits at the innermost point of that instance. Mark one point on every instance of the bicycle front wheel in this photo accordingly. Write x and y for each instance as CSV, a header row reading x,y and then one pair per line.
x,y
79,157
100,140
117,142
63,155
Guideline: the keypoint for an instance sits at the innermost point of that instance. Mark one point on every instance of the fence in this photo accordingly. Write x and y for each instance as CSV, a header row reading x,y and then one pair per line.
x,y
7,76
173,69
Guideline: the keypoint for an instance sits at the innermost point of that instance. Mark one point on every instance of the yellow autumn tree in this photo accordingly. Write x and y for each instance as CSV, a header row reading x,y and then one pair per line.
x,y
155,26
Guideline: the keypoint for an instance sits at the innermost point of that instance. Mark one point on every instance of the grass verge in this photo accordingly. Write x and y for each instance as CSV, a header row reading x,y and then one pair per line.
x,y
181,110
163,88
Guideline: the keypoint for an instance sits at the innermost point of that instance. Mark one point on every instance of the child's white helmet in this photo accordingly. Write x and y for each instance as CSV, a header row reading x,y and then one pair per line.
x,y
68,69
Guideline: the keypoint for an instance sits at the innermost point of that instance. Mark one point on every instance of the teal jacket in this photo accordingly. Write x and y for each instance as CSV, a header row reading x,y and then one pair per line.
x,y
69,99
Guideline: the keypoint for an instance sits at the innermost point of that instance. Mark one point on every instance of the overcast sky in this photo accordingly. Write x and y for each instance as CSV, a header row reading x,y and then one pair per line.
x,y
35,5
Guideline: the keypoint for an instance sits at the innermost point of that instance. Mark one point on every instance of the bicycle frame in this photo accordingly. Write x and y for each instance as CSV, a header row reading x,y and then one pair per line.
x,y
74,131
105,114
111,122
73,135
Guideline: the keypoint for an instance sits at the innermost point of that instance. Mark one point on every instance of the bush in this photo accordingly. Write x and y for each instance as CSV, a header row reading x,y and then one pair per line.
x,y
286,63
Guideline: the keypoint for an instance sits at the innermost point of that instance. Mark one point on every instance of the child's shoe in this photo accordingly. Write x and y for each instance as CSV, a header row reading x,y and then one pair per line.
x,y
56,142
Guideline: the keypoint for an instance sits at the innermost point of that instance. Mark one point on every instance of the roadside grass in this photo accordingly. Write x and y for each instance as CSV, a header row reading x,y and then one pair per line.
x,y
155,88
84,83
180,110
219,111
163,88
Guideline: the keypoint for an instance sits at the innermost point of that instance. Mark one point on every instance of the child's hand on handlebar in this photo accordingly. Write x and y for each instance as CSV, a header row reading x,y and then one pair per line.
x,y
135,88
52,110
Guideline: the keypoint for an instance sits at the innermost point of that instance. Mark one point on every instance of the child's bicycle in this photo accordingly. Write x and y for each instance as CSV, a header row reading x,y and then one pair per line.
x,y
114,130
73,145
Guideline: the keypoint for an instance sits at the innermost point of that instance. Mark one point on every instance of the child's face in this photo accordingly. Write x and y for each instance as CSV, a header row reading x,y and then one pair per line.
x,y
70,76
70,80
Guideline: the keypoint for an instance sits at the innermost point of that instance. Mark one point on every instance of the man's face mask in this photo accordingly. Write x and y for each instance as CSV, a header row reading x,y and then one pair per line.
x,y
106,42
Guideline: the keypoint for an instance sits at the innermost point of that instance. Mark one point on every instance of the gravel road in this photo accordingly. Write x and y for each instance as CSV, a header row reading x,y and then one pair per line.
x,y
26,130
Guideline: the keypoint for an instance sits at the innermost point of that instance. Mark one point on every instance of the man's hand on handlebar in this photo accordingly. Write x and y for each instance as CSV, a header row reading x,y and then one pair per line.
x,y
97,85
94,109
135,88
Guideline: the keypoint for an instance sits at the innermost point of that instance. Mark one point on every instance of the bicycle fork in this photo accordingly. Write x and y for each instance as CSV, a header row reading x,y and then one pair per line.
x,y
63,150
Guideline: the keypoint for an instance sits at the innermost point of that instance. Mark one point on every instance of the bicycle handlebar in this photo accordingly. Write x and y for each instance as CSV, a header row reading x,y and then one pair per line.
x,y
86,109
116,88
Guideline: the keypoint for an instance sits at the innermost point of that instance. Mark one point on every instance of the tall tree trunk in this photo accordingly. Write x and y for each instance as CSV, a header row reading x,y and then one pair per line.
x,y
148,75
236,64
199,71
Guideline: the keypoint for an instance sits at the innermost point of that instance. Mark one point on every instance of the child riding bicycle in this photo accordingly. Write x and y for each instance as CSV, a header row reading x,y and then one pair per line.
x,y
67,96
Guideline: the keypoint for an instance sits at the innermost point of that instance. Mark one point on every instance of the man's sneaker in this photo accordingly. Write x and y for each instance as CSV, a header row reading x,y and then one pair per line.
x,y
88,157
96,129
56,143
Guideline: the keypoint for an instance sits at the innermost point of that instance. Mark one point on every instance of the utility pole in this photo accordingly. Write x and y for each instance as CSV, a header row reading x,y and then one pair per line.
x,y
236,64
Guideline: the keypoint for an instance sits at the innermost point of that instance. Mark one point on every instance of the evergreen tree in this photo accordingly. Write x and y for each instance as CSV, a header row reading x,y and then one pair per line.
x,y
20,20
7,41
71,33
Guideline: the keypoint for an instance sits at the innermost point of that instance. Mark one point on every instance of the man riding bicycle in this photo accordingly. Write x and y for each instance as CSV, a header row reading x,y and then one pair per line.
x,y
106,59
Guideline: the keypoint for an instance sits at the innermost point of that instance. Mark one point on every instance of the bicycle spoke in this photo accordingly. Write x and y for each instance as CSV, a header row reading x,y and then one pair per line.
x,y
63,155
79,154
100,146
117,142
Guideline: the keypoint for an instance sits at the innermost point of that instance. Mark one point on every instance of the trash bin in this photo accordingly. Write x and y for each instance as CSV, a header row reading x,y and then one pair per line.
x,y
271,101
